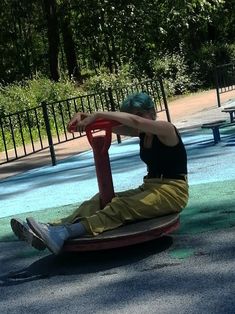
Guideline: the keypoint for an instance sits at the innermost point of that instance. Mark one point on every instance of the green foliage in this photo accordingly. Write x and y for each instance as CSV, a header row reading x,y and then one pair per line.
x,y
208,57
177,76
104,35
115,43
104,80
31,93
26,135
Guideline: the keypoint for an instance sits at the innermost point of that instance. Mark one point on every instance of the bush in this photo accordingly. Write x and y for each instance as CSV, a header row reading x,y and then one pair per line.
x,y
208,57
104,80
176,74
31,93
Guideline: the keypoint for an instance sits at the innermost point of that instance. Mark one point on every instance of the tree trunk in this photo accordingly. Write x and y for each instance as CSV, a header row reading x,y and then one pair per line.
x,y
114,51
109,62
69,49
53,37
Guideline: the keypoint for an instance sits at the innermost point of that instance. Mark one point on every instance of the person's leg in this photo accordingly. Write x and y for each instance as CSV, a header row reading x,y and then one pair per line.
x,y
55,236
24,233
87,208
156,198
42,235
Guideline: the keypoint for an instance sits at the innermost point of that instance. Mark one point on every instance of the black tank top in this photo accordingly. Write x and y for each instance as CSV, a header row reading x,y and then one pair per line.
x,y
163,160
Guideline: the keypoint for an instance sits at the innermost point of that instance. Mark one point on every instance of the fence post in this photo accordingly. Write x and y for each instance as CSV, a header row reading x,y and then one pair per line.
x,y
164,100
112,103
4,139
217,85
48,130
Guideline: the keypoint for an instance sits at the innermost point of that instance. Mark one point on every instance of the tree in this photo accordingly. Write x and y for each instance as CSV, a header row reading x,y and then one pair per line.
x,y
50,10
68,42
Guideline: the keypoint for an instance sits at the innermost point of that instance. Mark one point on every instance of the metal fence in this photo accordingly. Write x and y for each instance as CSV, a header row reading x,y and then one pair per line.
x,y
29,131
225,79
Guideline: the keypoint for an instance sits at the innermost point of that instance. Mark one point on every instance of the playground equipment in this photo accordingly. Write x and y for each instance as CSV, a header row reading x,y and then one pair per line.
x,y
126,235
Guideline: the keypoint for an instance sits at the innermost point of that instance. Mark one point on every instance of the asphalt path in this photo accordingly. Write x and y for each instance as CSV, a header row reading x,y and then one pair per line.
x,y
146,278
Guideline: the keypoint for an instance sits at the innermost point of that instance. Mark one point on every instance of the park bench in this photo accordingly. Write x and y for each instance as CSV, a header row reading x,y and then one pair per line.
x,y
231,111
214,126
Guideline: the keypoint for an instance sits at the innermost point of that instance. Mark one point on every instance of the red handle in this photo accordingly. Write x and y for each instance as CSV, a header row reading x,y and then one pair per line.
x,y
100,145
101,124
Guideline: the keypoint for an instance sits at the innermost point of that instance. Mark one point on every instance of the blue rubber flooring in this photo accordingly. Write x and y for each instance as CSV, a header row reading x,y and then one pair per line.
x,y
74,179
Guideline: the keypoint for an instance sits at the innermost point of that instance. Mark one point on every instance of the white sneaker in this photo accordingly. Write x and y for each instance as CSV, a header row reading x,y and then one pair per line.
x,y
24,233
52,236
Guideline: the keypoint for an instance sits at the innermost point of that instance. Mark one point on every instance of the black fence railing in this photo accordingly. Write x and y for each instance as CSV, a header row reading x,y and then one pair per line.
x,y
29,131
224,79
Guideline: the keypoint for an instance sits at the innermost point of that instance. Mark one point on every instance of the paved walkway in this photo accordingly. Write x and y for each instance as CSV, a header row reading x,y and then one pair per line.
x,y
186,111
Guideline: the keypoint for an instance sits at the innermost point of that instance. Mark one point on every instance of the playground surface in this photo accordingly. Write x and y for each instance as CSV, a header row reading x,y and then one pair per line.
x,y
189,271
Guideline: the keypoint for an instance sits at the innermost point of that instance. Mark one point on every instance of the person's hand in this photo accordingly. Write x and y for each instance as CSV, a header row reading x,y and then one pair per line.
x,y
81,125
77,117
79,122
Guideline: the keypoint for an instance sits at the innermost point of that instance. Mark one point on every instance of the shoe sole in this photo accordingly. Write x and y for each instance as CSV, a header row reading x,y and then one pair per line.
x,y
43,235
23,234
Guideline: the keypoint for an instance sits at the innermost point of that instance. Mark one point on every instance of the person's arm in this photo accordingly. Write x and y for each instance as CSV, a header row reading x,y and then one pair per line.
x,y
125,130
163,129
74,125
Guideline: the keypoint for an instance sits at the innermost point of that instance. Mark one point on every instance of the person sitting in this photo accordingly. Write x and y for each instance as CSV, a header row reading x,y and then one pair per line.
x,y
164,189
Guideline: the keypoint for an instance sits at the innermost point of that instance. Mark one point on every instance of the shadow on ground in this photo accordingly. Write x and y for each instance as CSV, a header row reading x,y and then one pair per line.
x,y
86,262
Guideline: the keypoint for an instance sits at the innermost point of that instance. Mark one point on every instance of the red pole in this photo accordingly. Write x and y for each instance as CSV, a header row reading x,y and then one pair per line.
x,y
103,171
100,145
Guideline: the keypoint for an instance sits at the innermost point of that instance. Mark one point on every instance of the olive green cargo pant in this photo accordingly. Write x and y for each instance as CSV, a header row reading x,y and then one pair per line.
x,y
154,198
